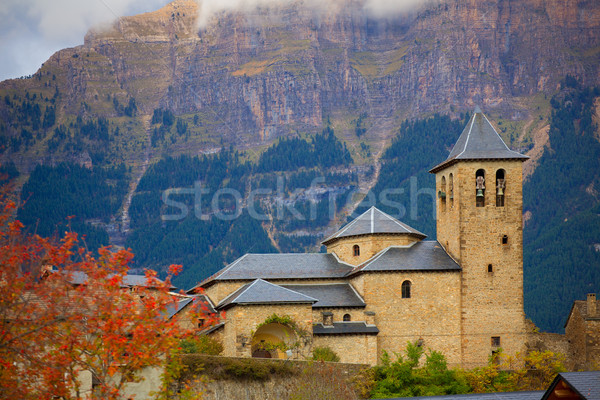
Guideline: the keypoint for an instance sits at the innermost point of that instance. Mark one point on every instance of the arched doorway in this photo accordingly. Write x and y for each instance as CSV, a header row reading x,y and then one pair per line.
x,y
270,339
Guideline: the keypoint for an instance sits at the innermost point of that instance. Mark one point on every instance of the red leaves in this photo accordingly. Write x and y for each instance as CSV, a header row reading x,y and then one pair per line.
x,y
79,316
175,269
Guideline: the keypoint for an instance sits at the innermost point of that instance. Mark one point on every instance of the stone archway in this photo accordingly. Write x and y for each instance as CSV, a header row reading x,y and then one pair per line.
x,y
269,340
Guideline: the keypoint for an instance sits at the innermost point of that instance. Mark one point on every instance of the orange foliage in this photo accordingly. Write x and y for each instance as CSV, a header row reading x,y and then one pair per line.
x,y
53,326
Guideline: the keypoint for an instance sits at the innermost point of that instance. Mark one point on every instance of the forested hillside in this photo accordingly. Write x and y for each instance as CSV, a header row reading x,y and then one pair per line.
x,y
204,212
562,211
405,189
73,197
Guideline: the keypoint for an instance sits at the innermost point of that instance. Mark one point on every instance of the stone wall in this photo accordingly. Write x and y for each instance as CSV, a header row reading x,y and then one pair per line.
x,y
492,271
368,245
355,348
431,314
242,321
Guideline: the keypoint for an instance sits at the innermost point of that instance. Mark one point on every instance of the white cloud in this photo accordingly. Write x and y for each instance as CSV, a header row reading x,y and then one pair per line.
x,y
32,30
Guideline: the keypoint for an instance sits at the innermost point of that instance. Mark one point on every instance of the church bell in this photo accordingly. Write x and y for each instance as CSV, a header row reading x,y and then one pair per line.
x,y
500,191
479,192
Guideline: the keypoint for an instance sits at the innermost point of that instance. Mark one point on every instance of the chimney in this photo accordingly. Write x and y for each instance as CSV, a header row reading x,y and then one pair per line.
x,y
327,319
591,304
370,317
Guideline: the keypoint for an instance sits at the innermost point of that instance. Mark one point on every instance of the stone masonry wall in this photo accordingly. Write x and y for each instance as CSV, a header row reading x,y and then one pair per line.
x,y
369,246
355,349
448,215
432,313
492,302
241,322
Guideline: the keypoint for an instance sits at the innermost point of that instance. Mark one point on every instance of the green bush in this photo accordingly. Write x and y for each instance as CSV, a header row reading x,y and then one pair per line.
x,y
201,345
325,354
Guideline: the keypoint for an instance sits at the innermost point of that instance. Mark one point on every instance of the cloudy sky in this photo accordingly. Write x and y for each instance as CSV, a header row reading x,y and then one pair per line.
x,y
32,30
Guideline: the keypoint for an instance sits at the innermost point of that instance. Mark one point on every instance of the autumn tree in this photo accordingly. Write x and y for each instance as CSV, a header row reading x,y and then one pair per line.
x,y
65,312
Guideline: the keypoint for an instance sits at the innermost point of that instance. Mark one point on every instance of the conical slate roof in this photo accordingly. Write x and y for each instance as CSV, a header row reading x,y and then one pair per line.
x,y
263,292
374,221
479,140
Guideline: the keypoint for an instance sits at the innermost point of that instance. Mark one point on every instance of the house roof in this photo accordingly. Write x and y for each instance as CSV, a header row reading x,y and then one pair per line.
x,y
345,328
174,308
426,255
330,295
281,266
263,292
80,278
481,396
585,384
479,140
374,221
582,307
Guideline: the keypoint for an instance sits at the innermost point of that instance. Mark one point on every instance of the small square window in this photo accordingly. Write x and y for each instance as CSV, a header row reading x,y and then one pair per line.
x,y
496,341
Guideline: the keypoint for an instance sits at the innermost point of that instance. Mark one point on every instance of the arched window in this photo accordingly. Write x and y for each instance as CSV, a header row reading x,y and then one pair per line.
x,y
356,250
500,188
451,190
347,317
480,188
442,194
504,239
406,289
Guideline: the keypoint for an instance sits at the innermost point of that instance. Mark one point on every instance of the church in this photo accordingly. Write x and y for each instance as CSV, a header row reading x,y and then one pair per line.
x,y
382,284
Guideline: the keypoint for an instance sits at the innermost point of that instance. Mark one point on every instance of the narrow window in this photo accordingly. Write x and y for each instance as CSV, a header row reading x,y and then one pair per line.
x,y
500,188
201,322
505,239
406,290
346,317
496,341
490,268
442,194
480,188
356,250
451,190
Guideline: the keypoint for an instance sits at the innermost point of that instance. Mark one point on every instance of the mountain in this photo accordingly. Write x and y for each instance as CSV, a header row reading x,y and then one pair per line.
x,y
278,97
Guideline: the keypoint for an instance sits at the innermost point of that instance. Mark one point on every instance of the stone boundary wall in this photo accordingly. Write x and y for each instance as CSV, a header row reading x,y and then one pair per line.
x,y
237,378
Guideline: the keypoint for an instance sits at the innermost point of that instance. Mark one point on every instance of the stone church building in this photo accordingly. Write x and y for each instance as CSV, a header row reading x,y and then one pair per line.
x,y
382,284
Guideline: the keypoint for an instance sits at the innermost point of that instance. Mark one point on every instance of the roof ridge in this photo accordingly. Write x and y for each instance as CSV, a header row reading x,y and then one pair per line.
x,y
468,136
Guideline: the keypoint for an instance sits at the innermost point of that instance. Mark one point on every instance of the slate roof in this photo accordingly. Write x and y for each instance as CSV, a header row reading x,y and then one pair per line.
x,y
173,308
426,255
585,384
80,278
281,266
374,221
479,140
263,292
480,396
330,295
345,328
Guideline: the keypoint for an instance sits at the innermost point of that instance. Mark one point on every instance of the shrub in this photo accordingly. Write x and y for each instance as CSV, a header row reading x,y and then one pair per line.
x,y
325,354
201,345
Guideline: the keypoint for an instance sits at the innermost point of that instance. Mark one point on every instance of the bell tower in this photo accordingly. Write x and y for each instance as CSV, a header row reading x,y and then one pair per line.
x,y
480,224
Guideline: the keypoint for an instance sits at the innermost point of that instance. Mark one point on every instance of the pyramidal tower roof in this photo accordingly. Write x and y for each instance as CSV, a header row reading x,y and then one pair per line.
x,y
478,141
373,221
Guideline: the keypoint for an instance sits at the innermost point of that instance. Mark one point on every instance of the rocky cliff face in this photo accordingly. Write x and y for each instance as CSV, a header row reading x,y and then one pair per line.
x,y
260,74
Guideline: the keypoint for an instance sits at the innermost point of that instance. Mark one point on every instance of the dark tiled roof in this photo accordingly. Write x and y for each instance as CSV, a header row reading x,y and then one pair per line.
x,y
479,140
374,221
330,295
586,384
80,278
480,396
174,308
345,328
263,292
281,266
422,256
